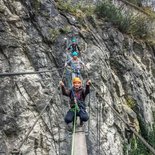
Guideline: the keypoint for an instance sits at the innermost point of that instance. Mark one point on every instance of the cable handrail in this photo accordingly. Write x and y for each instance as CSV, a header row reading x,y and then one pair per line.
x,y
24,73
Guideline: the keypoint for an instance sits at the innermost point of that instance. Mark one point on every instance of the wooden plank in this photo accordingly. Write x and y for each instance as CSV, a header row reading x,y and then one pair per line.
x,y
80,142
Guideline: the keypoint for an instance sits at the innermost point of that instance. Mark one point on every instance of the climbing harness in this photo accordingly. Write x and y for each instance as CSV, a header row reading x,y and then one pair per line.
x,y
73,70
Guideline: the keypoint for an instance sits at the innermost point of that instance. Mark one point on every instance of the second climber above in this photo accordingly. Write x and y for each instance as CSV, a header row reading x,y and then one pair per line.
x,y
76,64
74,47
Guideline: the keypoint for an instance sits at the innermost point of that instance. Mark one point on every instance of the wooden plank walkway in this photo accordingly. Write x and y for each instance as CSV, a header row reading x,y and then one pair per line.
x,y
80,142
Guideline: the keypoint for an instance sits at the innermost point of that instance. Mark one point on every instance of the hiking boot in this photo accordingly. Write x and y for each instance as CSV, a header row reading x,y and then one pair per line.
x,y
69,128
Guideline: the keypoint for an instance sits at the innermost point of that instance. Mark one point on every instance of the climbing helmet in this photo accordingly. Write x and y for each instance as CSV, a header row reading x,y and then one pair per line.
x,y
74,53
76,79
73,40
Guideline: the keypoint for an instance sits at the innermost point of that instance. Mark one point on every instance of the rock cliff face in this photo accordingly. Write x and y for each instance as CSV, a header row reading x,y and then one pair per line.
x,y
32,39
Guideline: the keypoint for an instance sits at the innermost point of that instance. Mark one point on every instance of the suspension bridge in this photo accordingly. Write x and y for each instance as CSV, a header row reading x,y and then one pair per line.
x,y
79,134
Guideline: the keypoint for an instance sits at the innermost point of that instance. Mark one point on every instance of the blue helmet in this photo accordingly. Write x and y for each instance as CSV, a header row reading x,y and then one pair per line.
x,y
73,40
75,53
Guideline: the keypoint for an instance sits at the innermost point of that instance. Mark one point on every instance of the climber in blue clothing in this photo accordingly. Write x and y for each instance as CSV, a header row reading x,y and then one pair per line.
x,y
74,47
76,64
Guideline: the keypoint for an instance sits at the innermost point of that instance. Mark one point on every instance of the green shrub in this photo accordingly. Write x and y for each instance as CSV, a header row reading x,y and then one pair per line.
x,y
138,148
130,102
36,5
141,26
75,8
136,2
53,34
67,6
148,133
65,30
111,13
136,25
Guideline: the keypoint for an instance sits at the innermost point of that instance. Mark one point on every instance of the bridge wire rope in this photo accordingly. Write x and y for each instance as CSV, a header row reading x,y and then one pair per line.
x,y
124,121
58,132
58,123
89,114
47,127
98,125
128,125
97,128
100,133
41,113
53,107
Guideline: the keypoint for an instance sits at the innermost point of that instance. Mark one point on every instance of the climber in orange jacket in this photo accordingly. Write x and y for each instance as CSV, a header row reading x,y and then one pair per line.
x,y
77,95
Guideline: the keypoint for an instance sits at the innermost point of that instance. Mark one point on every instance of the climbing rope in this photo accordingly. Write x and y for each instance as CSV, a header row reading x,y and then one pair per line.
x,y
76,108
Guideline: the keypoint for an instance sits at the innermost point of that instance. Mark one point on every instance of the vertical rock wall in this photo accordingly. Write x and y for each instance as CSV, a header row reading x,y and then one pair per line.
x,y
121,68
